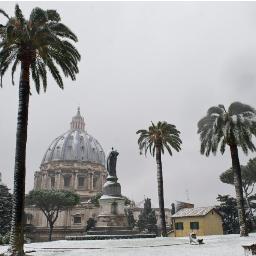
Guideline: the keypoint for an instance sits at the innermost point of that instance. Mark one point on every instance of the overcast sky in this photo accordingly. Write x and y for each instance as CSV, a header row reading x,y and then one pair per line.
x,y
142,62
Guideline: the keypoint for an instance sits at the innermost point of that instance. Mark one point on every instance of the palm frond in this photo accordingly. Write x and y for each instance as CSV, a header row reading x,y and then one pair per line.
x,y
38,17
161,135
19,16
232,127
4,13
42,41
14,69
53,15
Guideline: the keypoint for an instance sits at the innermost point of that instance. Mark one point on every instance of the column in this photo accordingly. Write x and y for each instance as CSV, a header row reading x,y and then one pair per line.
x,y
75,182
92,181
58,185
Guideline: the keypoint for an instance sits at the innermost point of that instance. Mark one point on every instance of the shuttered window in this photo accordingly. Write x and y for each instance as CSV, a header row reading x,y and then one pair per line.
x,y
179,226
194,225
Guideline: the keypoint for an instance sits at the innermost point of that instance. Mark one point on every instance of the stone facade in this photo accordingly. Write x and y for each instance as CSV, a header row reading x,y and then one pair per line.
x,y
74,161
86,179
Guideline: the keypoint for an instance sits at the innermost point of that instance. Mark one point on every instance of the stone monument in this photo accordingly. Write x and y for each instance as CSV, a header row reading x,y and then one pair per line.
x,y
112,205
112,222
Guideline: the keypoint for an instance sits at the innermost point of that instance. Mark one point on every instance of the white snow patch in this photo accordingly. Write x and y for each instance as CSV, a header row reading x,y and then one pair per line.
x,y
225,245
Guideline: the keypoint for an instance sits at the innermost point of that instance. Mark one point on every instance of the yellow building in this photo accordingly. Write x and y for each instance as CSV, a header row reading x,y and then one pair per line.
x,y
202,221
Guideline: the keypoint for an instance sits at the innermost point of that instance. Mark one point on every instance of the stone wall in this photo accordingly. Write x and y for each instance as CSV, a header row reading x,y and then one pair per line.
x,y
69,222
86,179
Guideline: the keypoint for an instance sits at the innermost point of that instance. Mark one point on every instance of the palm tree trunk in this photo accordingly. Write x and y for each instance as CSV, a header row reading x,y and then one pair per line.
x,y
17,229
239,190
160,190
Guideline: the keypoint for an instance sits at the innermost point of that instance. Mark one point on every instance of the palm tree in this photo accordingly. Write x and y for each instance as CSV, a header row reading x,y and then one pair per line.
x,y
38,43
157,138
234,128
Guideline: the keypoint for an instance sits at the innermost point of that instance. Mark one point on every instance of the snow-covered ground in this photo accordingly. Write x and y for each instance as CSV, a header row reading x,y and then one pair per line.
x,y
228,245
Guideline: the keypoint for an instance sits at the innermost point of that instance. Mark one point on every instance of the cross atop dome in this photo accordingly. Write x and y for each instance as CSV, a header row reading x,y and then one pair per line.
x,y
77,121
78,112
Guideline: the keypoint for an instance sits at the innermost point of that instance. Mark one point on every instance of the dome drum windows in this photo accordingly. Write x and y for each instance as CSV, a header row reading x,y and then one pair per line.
x,y
96,181
52,181
67,180
81,181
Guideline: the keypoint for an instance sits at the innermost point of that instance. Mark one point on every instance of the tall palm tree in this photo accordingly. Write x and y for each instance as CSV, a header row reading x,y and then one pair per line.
x,y
233,127
35,44
157,138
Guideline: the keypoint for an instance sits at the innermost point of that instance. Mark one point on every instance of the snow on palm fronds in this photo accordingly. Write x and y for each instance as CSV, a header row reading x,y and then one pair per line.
x,y
43,41
162,135
234,126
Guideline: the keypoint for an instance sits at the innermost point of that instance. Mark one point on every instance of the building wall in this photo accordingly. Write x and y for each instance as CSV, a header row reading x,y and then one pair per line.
x,y
52,175
213,224
64,225
210,224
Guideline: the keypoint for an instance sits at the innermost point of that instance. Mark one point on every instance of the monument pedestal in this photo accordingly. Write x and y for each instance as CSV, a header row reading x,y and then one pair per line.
x,y
112,212
112,219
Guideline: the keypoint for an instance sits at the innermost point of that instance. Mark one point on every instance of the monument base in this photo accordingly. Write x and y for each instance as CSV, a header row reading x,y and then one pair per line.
x,y
112,212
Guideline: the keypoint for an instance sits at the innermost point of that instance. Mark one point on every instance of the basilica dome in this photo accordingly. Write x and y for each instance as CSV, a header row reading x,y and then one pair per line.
x,y
75,145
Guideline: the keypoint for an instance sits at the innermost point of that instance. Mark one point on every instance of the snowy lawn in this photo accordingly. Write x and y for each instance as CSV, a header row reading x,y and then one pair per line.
x,y
228,245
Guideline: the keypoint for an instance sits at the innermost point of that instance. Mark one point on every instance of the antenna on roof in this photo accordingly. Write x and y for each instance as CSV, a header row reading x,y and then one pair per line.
x,y
187,195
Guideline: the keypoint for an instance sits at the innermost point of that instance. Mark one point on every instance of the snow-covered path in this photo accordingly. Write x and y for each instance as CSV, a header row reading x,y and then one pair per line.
x,y
228,245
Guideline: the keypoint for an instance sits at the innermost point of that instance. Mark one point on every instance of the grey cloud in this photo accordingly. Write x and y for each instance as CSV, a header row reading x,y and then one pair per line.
x,y
143,61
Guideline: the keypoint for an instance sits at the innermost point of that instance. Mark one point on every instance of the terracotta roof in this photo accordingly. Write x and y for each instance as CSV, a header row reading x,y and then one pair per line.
x,y
191,212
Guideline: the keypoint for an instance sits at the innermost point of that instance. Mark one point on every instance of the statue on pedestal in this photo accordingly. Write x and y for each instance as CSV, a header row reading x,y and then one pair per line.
x,y
112,187
111,162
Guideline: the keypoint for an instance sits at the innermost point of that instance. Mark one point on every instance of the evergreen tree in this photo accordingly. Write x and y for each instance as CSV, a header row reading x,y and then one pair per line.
x,y
95,199
229,213
130,217
173,210
91,222
147,218
51,203
248,175
5,209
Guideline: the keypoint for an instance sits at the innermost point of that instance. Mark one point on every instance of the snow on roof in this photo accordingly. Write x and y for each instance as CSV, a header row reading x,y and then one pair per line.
x,y
191,212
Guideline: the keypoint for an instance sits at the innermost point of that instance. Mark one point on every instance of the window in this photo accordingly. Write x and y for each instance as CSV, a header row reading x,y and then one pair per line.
x,y
52,182
80,181
194,225
77,220
179,225
66,181
95,180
